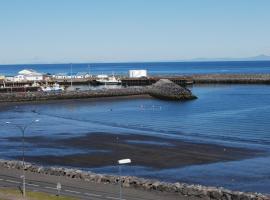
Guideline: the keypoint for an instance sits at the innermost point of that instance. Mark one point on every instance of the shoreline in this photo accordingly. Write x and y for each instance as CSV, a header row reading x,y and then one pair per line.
x,y
177,188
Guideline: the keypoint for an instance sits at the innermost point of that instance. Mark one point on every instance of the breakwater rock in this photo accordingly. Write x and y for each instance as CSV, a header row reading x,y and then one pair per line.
x,y
211,193
41,96
166,89
231,79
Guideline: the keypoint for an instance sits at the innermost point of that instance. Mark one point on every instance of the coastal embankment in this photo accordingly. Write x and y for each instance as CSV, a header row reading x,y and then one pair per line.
x,y
183,189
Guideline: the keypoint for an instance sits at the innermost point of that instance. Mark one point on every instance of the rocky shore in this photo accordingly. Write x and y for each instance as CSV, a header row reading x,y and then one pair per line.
x,y
140,183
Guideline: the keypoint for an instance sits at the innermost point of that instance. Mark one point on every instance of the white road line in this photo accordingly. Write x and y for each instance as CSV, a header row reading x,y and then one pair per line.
x,y
1,179
30,184
93,195
108,197
11,181
72,191
51,188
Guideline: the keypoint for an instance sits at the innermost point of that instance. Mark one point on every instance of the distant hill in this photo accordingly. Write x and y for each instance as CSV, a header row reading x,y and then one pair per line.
x,y
261,57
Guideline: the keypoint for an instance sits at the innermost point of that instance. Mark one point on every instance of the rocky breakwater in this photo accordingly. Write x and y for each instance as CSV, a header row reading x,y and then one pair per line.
x,y
41,96
203,192
166,89
163,89
231,79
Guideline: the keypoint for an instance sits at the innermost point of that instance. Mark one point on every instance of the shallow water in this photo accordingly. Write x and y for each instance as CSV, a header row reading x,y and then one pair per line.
x,y
233,115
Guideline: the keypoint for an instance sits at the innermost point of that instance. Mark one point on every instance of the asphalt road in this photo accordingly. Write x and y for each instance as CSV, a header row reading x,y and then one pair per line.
x,y
11,178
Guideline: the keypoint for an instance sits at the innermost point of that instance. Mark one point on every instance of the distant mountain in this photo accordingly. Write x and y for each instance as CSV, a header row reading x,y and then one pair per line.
x,y
261,57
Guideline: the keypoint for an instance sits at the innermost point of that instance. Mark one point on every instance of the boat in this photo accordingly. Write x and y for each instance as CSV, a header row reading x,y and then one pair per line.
x,y
55,88
108,80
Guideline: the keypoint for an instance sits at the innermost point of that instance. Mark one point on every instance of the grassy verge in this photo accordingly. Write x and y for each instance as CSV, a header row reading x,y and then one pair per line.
x,y
13,194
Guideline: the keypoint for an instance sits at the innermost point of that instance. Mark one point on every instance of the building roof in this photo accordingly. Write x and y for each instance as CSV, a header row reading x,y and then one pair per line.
x,y
30,72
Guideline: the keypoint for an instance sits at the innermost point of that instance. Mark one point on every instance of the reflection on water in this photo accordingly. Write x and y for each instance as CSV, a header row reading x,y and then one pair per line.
x,y
234,115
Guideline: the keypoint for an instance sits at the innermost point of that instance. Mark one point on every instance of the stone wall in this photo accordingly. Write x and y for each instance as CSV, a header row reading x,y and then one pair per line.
x,y
211,193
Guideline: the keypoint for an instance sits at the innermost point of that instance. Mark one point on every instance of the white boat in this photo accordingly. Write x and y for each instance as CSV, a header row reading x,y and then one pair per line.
x,y
108,80
55,88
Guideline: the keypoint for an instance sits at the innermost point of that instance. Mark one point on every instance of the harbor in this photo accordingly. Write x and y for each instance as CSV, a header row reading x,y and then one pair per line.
x,y
29,80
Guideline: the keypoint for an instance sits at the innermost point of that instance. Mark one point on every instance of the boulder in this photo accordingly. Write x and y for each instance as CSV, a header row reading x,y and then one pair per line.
x,y
168,90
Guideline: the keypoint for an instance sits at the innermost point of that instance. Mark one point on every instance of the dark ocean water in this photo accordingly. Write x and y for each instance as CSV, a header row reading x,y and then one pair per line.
x,y
233,115
160,68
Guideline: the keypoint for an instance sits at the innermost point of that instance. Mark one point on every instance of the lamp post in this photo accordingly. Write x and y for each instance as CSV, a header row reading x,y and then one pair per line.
x,y
120,163
23,128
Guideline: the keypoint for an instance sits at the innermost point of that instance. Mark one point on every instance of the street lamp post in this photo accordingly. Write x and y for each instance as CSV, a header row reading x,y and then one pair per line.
x,y
23,128
120,163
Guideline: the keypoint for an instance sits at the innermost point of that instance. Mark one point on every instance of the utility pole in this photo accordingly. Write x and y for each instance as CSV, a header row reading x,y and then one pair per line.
x,y
22,129
71,72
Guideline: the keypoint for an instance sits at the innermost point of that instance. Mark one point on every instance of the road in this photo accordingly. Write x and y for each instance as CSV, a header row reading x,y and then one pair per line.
x,y
80,189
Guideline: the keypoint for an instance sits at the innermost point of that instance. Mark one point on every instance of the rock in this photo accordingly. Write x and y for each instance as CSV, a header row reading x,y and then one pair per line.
x,y
166,89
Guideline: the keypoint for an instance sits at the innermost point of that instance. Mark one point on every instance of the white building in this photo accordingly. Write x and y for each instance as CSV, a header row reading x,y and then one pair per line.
x,y
28,75
137,73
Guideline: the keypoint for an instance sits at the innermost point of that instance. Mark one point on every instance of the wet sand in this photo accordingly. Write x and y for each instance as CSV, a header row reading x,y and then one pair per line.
x,y
148,151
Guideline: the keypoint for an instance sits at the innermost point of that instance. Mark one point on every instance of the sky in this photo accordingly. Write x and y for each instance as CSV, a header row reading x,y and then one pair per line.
x,y
55,31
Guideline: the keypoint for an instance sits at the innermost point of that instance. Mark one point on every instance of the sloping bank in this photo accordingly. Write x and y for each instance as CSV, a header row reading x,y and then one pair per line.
x,y
163,89
140,183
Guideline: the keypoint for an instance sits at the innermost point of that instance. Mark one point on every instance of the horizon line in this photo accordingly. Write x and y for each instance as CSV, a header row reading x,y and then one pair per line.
x,y
134,62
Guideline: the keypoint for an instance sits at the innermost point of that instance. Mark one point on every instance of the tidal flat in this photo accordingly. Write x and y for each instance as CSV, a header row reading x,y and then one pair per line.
x,y
104,149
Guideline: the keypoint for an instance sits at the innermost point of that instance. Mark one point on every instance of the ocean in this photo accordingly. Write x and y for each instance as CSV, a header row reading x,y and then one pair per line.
x,y
158,68
230,115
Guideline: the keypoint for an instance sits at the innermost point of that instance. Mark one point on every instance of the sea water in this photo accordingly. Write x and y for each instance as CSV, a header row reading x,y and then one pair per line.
x,y
231,115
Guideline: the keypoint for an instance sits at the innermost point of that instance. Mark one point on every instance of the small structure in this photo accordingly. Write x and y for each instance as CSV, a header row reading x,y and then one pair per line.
x,y
137,73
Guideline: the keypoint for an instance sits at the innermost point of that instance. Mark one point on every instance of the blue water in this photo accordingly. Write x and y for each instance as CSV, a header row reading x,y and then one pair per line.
x,y
165,68
232,115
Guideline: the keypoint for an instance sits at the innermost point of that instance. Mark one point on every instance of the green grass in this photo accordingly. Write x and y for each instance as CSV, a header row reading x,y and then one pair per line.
x,y
8,194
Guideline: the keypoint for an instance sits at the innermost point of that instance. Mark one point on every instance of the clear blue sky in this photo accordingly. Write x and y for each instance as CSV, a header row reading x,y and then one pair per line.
x,y
131,30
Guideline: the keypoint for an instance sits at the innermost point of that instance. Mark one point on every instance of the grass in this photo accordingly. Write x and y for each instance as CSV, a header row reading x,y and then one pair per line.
x,y
13,194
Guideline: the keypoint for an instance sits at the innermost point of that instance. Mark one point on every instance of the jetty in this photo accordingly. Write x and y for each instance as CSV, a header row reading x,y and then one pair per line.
x,y
43,96
163,89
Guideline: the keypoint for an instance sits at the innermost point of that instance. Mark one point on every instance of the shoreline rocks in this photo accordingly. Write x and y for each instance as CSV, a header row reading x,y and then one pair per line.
x,y
200,191
43,96
168,90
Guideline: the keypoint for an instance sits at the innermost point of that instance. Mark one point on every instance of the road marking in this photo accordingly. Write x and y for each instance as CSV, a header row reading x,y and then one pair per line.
x,y
11,181
72,191
30,184
93,195
108,197
1,179
51,188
